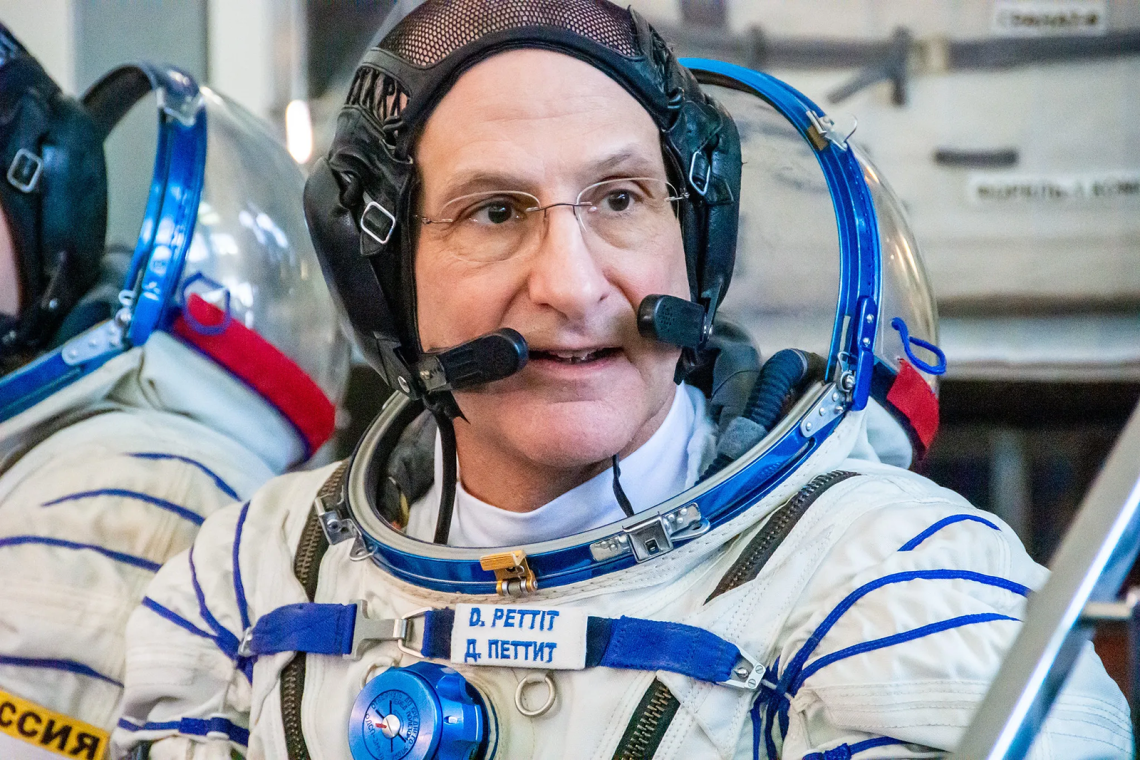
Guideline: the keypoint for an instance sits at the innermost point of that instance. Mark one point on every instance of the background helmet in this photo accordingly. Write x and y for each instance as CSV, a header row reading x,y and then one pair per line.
x,y
251,295
360,199
53,192
222,260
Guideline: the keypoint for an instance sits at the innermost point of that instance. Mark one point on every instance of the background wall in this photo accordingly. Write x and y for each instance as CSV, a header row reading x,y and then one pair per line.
x,y
1010,128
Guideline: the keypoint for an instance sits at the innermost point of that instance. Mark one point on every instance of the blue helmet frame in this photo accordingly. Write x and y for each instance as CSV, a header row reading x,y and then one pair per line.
x,y
735,489
168,227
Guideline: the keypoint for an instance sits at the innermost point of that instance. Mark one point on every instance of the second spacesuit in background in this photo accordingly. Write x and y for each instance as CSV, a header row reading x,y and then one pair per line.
x,y
142,390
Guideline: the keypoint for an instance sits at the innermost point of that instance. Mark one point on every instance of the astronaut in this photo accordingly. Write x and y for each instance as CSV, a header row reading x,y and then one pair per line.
x,y
546,546
141,391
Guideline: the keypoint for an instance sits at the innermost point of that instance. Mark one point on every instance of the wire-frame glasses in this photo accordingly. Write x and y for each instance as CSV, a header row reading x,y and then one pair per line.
x,y
626,213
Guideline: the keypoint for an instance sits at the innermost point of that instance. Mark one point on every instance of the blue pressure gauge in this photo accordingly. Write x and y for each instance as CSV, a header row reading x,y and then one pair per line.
x,y
422,712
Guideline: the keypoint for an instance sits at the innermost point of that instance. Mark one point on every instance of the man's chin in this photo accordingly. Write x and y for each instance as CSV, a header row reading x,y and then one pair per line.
x,y
567,435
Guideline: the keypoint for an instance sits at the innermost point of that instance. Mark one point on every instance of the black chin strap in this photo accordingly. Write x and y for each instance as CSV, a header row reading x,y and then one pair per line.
x,y
619,493
450,476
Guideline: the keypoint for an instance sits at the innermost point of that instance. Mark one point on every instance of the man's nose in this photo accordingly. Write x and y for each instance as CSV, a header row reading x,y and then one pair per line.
x,y
565,274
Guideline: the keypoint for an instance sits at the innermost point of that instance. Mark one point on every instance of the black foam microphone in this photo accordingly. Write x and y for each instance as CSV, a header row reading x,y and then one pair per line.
x,y
669,319
485,359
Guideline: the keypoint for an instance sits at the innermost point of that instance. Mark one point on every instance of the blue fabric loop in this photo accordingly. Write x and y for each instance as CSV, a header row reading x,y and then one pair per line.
x,y
211,285
637,644
437,634
907,341
305,627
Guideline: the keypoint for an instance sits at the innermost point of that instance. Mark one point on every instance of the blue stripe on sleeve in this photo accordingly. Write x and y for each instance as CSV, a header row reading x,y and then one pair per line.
x,y
71,666
193,727
945,521
239,587
226,640
845,751
123,493
894,639
158,455
813,641
129,559
778,699
175,618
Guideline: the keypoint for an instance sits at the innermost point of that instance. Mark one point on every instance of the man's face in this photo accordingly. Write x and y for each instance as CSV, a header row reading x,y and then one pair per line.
x,y
9,271
548,125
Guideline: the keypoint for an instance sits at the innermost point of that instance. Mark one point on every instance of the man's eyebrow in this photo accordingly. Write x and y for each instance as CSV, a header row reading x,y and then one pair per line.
x,y
478,180
626,162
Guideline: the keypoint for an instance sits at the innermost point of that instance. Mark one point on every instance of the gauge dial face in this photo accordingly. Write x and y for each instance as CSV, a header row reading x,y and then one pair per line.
x,y
391,725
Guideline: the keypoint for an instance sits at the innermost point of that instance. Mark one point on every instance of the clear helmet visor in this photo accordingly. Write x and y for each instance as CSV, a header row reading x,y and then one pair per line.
x,y
251,247
790,280
785,286
786,283
250,258
908,324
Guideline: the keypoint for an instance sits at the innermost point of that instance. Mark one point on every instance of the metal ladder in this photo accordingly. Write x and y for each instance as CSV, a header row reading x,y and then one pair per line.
x,y
1087,572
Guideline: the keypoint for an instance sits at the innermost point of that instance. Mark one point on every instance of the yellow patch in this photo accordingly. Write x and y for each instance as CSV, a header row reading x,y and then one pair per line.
x,y
49,733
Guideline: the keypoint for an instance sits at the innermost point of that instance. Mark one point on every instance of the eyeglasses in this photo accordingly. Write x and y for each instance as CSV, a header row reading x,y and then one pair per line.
x,y
626,213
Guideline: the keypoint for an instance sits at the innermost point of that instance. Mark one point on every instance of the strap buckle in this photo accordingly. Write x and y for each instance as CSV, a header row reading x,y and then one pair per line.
x,y
25,170
747,674
368,631
693,181
380,235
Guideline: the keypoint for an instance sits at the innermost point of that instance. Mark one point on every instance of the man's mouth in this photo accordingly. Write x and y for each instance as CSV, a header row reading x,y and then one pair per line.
x,y
574,357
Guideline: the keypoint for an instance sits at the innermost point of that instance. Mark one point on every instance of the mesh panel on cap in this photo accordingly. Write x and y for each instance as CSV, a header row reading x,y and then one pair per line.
x,y
436,29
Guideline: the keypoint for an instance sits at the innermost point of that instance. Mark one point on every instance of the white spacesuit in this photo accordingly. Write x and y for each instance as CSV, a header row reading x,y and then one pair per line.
x,y
802,596
115,447
867,681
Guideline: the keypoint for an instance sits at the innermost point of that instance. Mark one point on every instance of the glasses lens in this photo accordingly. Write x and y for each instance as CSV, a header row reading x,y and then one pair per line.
x,y
626,213
485,226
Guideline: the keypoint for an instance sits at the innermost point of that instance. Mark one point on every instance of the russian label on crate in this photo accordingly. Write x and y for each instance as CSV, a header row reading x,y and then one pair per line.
x,y
1046,18
519,637
31,732
994,187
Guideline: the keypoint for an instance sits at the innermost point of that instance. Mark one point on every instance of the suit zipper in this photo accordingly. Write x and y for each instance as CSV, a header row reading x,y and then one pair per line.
x,y
650,721
306,567
760,550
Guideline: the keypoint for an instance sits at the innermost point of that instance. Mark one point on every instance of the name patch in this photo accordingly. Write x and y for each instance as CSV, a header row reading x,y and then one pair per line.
x,y
31,732
519,637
